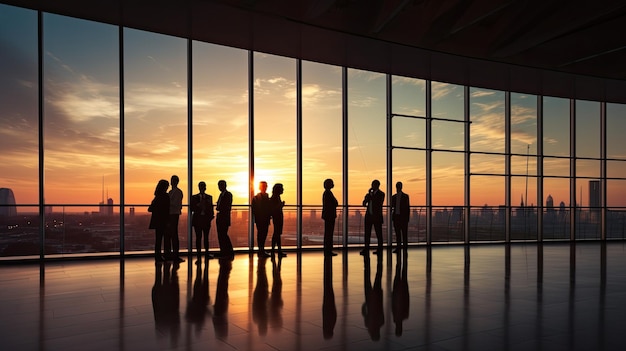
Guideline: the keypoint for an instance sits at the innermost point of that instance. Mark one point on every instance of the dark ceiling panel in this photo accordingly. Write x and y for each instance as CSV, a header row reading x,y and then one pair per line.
x,y
563,41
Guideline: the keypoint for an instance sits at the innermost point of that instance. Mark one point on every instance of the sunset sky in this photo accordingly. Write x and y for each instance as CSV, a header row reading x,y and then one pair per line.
x,y
81,125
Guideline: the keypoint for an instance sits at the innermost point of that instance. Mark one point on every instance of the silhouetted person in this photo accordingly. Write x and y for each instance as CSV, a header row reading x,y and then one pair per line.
x,y
198,305
201,206
400,209
276,298
220,309
329,214
374,200
160,209
329,309
260,297
176,206
276,209
372,309
222,220
261,213
400,295
166,301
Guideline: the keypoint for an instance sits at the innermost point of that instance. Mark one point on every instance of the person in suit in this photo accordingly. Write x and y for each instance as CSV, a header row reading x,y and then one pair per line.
x,y
400,210
201,206
329,214
373,201
222,220
276,208
176,205
160,209
261,213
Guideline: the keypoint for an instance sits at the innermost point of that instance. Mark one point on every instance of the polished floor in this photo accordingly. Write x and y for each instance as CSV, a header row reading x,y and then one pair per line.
x,y
556,296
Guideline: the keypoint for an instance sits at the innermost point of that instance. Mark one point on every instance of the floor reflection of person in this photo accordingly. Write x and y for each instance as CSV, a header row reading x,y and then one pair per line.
x,y
400,294
160,209
198,305
372,309
276,297
329,309
261,214
166,302
260,297
220,308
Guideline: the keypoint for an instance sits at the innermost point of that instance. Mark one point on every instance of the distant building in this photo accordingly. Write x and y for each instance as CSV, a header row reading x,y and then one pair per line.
x,y
106,210
595,197
550,204
7,203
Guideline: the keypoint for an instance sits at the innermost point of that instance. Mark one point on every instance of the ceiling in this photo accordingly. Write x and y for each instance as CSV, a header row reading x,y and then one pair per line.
x,y
537,46
588,38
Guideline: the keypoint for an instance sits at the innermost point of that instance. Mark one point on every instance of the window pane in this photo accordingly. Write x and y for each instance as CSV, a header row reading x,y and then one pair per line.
x,y
81,130
616,211
523,124
220,128
321,130
409,96
556,167
487,116
616,169
81,118
615,130
448,179
588,168
524,165
155,121
366,139
275,124
408,132
487,164
524,191
448,101
487,191
587,129
448,135
556,217
556,122
409,167
19,160
321,146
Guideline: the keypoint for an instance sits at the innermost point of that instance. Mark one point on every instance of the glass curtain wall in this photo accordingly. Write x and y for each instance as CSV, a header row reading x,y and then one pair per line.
x,y
81,136
478,164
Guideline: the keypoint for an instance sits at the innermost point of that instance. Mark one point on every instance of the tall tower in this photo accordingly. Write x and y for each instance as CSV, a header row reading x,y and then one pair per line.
x,y
7,200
